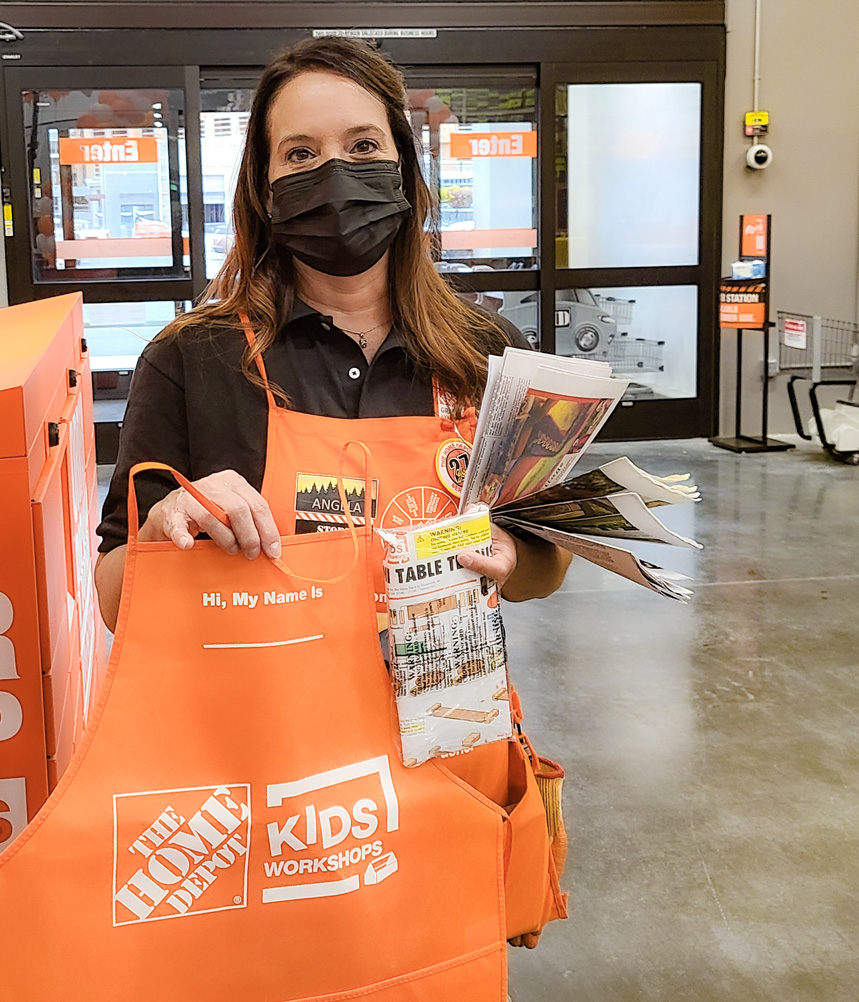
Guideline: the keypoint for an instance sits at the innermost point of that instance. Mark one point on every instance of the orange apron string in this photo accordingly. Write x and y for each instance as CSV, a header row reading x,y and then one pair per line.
x,y
368,517
252,341
215,510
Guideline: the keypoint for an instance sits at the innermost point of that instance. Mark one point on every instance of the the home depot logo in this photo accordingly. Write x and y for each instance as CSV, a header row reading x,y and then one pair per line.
x,y
180,852
327,835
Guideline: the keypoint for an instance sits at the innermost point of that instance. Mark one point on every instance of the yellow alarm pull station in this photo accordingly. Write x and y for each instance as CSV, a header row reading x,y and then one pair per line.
x,y
757,123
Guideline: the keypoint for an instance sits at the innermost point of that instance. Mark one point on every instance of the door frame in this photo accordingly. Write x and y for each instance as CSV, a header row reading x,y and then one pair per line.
x,y
570,53
22,285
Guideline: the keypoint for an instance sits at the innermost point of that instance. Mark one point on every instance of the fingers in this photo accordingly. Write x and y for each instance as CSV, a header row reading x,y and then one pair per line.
x,y
500,565
194,514
529,940
499,568
176,526
251,525
258,511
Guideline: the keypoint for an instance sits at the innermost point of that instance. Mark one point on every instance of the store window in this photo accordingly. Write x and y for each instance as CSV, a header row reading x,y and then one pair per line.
x,y
628,166
480,159
117,333
223,124
647,333
104,170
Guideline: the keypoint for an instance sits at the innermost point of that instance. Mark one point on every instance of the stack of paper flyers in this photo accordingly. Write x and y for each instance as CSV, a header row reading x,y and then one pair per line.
x,y
538,416
448,659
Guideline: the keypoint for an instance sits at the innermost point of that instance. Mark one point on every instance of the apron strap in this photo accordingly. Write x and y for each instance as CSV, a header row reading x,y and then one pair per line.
x,y
207,503
219,513
353,529
251,339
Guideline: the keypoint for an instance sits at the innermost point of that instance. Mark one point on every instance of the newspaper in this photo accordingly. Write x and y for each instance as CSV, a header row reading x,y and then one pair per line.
x,y
624,515
446,639
615,559
611,478
541,413
538,416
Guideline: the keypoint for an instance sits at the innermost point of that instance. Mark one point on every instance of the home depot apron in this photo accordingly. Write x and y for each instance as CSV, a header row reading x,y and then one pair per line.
x,y
237,826
420,466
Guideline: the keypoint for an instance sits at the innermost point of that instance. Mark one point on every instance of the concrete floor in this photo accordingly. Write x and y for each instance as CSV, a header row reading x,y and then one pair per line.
x,y
711,749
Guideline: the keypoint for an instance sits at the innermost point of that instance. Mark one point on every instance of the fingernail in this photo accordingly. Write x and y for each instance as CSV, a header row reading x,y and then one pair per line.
x,y
275,549
466,560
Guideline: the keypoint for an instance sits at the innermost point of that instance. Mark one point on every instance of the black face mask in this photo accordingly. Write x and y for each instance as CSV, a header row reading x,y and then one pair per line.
x,y
339,218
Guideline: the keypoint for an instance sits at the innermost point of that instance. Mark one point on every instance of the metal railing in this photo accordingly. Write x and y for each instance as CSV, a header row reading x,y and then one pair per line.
x,y
826,353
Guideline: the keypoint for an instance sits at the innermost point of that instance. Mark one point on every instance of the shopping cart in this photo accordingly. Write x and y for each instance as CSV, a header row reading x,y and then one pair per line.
x,y
619,309
632,356
819,350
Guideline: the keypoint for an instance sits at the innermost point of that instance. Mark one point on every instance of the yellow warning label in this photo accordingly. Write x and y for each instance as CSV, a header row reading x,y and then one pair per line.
x,y
757,118
7,221
434,542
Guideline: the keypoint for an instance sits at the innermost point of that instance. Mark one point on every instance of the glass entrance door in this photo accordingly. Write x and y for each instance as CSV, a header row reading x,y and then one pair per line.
x,y
632,278
102,155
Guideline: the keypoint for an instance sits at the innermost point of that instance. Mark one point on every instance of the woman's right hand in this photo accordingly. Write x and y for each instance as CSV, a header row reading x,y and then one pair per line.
x,y
179,517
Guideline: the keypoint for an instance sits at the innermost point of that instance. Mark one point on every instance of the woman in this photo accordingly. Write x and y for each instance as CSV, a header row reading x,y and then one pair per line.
x,y
328,306
329,323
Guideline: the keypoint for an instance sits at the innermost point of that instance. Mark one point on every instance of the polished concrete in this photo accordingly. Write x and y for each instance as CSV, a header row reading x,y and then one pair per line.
x,y
711,749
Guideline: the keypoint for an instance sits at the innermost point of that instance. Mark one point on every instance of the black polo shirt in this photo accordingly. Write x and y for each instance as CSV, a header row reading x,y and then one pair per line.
x,y
190,405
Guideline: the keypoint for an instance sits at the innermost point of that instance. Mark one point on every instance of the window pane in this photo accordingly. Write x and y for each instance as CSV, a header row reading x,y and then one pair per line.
x,y
117,333
480,160
105,169
223,124
628,163
648,333
522,309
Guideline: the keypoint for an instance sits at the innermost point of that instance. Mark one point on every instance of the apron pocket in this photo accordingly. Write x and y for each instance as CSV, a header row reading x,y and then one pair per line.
x,y
477,977
501,773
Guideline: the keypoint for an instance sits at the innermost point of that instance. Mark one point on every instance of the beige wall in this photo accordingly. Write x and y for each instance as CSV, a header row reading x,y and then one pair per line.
x,y
4,297
810,86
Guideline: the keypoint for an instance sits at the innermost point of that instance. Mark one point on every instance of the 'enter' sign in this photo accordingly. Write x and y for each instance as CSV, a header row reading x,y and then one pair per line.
x,y
466,145
143,150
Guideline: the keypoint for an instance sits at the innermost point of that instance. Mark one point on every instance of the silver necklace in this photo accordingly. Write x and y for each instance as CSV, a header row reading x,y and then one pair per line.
x,y
362,335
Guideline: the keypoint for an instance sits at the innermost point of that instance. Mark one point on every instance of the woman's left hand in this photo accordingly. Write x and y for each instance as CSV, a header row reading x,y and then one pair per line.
x,y
501,564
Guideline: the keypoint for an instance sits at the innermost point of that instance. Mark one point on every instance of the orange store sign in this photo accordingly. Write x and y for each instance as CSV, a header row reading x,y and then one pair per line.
x,y
143,150
466,145
754,237
743,305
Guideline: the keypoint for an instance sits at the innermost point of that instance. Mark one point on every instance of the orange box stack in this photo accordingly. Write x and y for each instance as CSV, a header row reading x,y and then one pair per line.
x,y
52,640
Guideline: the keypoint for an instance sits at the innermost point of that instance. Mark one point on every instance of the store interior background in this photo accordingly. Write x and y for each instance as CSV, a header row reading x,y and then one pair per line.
x,y
810,86
710,748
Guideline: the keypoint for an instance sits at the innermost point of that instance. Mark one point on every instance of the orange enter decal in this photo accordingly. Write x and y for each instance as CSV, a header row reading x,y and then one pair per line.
x,y
467,145
143,150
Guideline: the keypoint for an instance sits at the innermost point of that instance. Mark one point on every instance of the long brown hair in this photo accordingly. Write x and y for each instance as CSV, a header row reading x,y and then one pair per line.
x,y
444,335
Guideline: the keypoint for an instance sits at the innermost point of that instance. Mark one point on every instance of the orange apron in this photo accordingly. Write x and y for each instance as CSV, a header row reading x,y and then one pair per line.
x,y
237,824
415,459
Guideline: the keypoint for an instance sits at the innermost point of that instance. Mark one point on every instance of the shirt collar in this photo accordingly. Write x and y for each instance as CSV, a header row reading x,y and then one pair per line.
x,y
301,311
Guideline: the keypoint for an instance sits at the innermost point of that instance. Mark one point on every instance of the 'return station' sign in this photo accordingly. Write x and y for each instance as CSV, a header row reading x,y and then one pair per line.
x,y
742,304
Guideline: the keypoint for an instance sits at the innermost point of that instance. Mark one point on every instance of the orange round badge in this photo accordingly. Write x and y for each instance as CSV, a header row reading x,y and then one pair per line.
x,y
451,464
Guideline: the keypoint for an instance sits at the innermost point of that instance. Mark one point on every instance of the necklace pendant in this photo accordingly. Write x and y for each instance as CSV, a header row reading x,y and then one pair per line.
x,y
362,340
